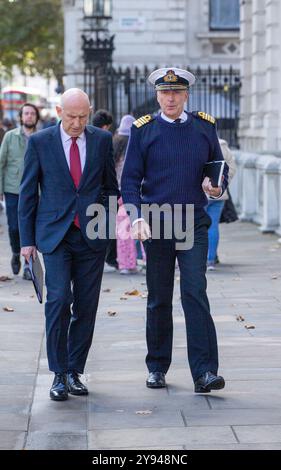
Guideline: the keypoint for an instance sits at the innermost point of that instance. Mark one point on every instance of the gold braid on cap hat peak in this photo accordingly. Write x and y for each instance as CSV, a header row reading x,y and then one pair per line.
x,y
170,77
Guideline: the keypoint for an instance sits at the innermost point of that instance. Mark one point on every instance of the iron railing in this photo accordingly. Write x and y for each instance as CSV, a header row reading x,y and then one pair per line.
x,y
126,91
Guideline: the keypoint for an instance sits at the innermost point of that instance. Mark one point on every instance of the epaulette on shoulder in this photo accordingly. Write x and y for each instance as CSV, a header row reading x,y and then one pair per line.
x,y
205,116
143,120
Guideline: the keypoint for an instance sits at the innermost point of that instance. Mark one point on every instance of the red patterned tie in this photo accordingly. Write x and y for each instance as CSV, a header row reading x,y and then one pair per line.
x,y
75,169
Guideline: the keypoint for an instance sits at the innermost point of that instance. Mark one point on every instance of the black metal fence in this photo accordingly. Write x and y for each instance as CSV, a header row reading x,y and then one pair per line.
x,y
216,92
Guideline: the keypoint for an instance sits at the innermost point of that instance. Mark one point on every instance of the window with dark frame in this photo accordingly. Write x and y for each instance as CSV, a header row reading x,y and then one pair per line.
x,y
224,15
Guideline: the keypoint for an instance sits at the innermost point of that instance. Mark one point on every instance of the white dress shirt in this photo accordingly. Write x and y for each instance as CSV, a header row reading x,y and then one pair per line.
x,y
182,117
66,143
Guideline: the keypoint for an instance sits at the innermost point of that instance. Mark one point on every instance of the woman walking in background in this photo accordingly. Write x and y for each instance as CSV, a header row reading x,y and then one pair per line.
x,y
126,247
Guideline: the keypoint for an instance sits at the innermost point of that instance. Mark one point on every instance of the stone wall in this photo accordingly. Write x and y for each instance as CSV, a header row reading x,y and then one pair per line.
x,y
158,32
260,128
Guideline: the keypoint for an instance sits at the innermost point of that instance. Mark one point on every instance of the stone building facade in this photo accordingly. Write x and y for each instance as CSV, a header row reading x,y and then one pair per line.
x,y
161,32
256,188
260,103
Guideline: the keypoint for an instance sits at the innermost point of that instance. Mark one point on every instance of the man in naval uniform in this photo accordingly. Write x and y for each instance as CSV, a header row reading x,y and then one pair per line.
x,y
164,164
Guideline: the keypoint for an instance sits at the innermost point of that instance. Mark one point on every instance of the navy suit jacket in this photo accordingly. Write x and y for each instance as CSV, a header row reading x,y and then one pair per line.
x,y
48,198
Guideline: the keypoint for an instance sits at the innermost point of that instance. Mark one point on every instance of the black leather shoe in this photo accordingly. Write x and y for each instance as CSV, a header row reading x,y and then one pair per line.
x,y
208,382
15,263
26,275
75,386
58,390
156,380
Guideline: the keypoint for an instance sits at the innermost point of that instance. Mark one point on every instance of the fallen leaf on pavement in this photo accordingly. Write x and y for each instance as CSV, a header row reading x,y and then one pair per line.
x,y
111,313
133,292
274,277
250,327
123,297
5,278
240,318
106,290
8,309
143,412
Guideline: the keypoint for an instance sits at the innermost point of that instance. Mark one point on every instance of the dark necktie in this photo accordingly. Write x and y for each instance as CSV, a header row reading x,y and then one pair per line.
x,y
75,169
177,121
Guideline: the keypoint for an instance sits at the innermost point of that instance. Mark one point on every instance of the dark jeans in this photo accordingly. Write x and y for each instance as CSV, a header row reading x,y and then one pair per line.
x,y
12,201
200,329
73,276
111,253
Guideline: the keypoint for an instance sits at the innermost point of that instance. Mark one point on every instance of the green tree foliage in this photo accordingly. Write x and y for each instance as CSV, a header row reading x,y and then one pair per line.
x,y
31,36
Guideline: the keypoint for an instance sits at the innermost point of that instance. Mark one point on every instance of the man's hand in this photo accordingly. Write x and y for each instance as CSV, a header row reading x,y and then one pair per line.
x,y
28,251
209,189
141,231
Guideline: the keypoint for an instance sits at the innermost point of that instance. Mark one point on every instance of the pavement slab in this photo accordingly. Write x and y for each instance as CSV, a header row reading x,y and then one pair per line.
x,y
120,412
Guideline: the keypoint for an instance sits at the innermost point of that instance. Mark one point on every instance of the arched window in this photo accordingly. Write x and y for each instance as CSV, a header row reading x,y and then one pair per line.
x,y
224,14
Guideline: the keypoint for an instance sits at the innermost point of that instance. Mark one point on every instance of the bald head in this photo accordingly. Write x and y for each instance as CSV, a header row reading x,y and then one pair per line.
x,y
74,111
74,95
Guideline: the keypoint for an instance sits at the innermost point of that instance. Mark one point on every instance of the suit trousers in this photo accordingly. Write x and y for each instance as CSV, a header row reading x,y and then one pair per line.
x,y
73,277
200,329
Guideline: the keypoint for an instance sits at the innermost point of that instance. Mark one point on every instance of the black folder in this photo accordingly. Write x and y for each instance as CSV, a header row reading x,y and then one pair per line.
x,y
37,275
214,170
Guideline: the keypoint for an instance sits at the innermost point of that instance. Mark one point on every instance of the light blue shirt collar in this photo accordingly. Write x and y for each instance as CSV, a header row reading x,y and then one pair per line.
x,y
182,117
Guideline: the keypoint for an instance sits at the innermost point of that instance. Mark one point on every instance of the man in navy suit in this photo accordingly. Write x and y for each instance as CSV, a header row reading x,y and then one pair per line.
x,y
72,165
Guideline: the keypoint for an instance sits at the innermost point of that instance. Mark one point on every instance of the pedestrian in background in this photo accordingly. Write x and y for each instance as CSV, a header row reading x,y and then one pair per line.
x,y
215,208
5,125
126,245
2,131
104,120
12,153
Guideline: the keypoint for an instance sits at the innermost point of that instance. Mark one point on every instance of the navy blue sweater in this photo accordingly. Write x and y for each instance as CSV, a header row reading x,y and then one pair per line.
x,y
164,162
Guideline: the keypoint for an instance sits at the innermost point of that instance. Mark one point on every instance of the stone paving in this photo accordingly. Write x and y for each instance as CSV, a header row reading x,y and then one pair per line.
x,y
120,412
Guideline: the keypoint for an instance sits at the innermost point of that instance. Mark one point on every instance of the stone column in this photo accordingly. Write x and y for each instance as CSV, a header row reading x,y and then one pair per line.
x,y
73,25
260,128
272,112
258,82
249,187
246,70
269,166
